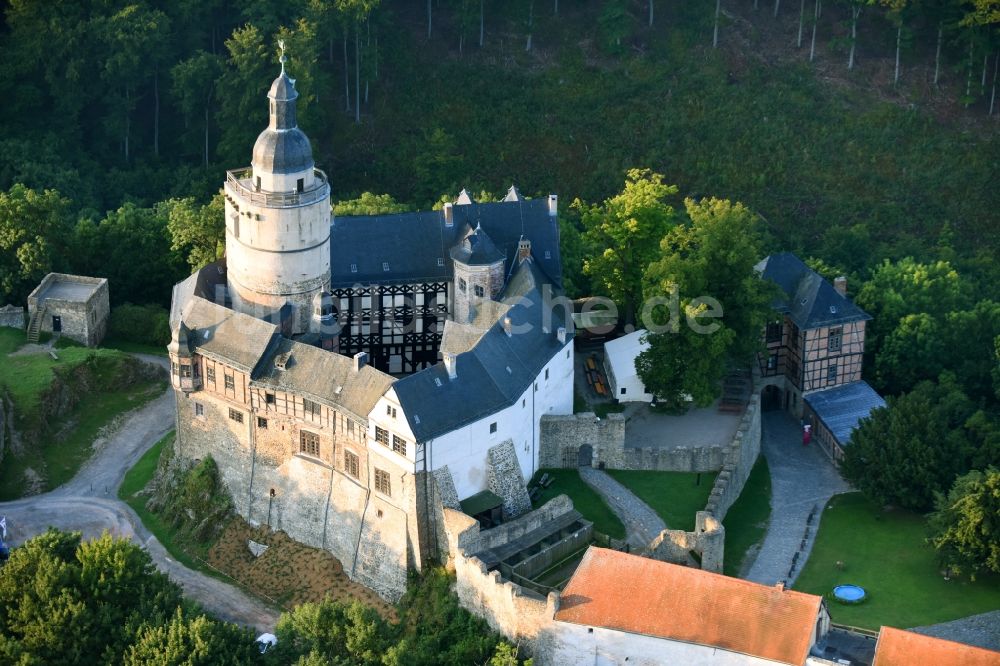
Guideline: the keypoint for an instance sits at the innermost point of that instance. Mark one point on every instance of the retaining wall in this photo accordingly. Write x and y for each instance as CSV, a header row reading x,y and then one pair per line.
x,y
12,316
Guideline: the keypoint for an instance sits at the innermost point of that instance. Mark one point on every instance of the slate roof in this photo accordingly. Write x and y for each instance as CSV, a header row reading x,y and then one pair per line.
x,y
457,338
644,596
323,376
476,249
809,300
493,374
226,335
842,407
907,648
416,246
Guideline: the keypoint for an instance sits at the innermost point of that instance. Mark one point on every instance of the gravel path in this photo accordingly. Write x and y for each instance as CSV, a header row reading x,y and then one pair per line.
x,y
802,478
89,503
981,630
642,524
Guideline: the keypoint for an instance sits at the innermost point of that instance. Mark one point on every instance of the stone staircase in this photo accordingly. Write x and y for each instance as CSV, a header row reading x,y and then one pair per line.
x,y
35,325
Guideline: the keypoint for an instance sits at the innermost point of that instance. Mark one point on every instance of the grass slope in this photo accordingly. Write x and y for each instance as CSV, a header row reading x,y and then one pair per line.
x,y
590,505
885,552
746,521
62,450
674,496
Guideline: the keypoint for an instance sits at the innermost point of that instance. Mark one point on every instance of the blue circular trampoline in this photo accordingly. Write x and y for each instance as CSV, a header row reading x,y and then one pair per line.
x,y
851,594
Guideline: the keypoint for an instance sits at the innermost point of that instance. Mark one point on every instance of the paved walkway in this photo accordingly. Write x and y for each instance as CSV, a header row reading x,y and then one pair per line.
x,y
89,503
981,630
802,478
642,524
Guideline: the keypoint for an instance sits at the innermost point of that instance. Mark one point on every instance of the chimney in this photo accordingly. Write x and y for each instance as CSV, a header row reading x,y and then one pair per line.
x,y
450,361
561,335
507,326
449,214
360,361
553,205
523,249
840,284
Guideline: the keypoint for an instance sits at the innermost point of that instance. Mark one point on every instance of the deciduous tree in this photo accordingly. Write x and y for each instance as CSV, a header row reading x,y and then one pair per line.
x,y
967,523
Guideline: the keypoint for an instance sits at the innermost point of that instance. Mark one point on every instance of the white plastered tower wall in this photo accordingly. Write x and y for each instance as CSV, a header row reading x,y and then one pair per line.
x,y
278,219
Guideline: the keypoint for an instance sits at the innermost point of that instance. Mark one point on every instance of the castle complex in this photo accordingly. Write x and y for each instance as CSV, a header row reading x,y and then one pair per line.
x,y
350,375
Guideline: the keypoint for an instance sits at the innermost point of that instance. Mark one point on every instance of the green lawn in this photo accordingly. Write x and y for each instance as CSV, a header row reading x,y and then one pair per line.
x,y
590,505
747,518
885,553
674,496
62,448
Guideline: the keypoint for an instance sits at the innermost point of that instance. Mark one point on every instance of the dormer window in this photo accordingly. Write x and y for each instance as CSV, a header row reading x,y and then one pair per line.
x,y
385,266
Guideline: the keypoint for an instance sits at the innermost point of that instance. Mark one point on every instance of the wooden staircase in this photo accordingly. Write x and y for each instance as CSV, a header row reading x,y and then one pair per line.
x,y
35,325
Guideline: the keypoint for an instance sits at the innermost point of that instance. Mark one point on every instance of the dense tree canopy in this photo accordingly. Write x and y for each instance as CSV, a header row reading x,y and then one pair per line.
x,y
967,523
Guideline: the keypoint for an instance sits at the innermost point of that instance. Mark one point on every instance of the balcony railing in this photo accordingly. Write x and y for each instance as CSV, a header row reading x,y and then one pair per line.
x,y
241,182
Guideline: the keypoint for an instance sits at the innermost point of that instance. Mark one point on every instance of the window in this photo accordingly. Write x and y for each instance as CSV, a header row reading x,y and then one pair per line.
x,y
309,443
210,374
351,464
399,445
834,339
236,415
382,483
354,268
493,427
772,362
236,223
199,409
524,403
774,332
185,371
269,398
230,383
546,373
382,436
390,411
385,266
831,373
258,182
440,261
624,390
300,185
175,369
462,285
479,291
311,409
350,427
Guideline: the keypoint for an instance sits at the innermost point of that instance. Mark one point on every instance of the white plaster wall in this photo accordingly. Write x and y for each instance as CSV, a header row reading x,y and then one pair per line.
x,y
464,451
578,644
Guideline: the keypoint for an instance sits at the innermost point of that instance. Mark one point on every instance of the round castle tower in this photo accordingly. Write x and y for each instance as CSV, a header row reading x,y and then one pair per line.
x,y
278,219
479,273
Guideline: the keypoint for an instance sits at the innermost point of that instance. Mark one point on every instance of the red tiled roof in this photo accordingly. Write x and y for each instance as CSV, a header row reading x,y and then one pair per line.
x,y
643,596
905,648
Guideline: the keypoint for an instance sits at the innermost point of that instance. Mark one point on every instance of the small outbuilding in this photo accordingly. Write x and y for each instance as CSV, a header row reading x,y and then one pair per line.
x,y
835,413
72,305
619,364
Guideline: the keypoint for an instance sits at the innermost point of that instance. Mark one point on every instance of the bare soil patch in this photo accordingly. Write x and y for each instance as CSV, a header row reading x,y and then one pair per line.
x,y
288,572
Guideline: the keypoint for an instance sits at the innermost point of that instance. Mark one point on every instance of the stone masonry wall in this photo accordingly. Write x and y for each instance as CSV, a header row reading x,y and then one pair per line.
x,y
561,437
521,615
740,458
12,316
504,478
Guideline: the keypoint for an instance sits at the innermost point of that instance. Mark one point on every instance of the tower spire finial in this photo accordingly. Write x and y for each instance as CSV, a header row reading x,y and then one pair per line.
x,y
283,58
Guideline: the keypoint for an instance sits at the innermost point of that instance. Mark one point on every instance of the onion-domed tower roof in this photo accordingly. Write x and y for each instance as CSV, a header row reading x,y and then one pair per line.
x,y
282,148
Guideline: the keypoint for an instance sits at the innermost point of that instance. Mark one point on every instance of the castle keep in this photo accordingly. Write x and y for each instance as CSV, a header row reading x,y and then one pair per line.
x,y
349,375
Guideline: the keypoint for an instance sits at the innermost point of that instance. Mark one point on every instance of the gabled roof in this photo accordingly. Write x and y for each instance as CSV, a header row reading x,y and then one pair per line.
x,y
237,339
809,300
896,647
622,352
642,596
495,372
323,376
415,247
841,408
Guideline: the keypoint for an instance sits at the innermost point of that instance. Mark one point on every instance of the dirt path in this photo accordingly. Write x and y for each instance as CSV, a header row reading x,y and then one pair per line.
x,y
89,503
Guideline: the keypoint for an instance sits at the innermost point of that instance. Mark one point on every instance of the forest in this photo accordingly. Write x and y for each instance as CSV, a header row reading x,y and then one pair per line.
x,y
859,134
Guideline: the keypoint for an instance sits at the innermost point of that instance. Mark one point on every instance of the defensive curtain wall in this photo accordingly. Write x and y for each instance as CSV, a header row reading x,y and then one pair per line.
x,y
564,437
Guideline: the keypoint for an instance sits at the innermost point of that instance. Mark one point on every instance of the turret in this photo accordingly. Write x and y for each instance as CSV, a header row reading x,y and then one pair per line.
x,y
278,218
479,272
184,368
